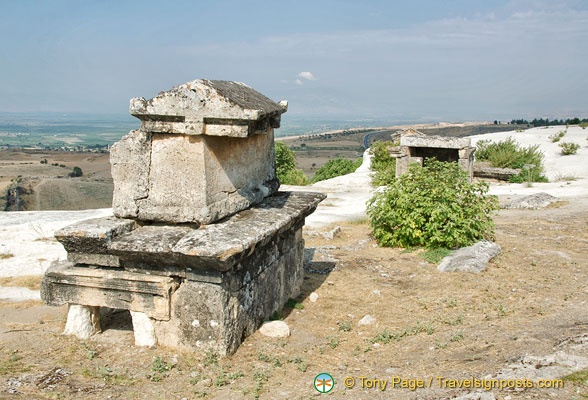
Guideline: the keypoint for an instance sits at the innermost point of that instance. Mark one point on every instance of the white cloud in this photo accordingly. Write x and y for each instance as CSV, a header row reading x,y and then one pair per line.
x,y
307,75
298,82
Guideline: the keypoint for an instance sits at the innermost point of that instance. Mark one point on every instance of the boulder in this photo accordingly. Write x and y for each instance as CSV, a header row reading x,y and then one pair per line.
x,y
473,258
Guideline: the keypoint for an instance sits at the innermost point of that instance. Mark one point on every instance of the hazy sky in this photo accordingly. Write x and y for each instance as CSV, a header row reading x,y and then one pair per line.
x,y
405,60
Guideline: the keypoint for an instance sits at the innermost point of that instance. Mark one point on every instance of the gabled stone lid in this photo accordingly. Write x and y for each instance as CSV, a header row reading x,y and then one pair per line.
x,y
209,107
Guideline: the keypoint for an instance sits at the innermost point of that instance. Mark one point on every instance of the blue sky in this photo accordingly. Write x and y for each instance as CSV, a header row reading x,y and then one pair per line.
x,y
387,60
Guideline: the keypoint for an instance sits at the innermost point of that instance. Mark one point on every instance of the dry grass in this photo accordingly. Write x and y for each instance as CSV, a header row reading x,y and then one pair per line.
x,y
32,282
4,256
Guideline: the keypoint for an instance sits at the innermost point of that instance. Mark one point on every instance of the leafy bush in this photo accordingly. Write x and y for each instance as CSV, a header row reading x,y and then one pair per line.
x,y
568,148
434,206
508,154
285,159
336,167
286,167
383,164
583,125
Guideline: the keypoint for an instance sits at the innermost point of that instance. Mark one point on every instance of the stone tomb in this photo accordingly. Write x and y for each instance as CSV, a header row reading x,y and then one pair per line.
x,y
205,150
188,285
415,146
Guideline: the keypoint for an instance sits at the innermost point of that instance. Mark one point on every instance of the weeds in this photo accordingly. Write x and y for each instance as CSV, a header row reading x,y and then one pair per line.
x,y
344,326
292,303
210,357
457,337
557,136
434,256
387,336
508,154
568,148
4,256
333,341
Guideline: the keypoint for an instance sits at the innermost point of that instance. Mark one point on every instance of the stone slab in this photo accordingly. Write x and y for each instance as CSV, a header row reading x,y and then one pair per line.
x,y
93,235
222,245
64,283
439,142
209,107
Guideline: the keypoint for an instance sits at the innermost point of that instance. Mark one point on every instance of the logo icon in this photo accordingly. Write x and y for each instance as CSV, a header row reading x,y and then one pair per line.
x,y
324,383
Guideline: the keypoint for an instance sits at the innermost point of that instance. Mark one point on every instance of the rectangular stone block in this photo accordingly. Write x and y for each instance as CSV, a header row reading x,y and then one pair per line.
x,y
64,283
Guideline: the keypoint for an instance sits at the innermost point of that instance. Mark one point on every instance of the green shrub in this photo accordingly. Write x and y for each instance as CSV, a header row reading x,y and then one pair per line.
x,y
286,167
76,172
294,177
434,206
508,154
335,167
383,164
583,125
285,159
568,148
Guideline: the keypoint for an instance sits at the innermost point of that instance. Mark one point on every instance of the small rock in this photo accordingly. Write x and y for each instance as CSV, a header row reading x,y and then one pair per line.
x,y
367,320
376,345
276,329
473,258
376,292
476,396
537,200
313,297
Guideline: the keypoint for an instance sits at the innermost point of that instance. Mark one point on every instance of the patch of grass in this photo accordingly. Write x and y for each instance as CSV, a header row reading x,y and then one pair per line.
x,y
210,357
333,341
301,364
4,256
109,376
158,365
457,321
387,336
566,178
344,326
434,256
269,358
359,221
13,365
457,337
580,377
90,353
224,377
568,148
260,377
292,303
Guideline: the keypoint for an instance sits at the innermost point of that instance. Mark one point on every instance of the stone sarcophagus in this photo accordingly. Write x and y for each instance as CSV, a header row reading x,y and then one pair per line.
x,y
205,150
415,147
202,247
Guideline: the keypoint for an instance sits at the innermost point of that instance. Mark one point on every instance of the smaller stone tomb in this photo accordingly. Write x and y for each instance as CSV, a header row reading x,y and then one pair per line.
x,y
415,146
202,247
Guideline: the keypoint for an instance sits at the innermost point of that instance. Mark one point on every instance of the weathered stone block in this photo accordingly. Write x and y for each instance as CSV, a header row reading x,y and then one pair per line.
x,y
205,151
64,283
82,321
